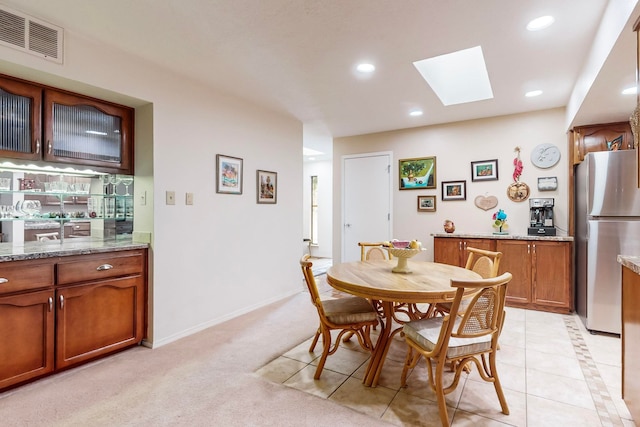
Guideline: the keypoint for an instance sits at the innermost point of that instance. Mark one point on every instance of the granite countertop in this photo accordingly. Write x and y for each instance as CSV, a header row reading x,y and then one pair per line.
x,y
503,236
74,246
631,262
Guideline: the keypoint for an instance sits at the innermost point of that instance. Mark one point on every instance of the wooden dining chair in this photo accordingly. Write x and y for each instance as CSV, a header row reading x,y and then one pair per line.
x,y
458,340
372,251
353,315
485,263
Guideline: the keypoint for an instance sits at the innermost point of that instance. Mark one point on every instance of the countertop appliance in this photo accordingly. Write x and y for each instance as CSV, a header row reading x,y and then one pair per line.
x,y
607,223
541,217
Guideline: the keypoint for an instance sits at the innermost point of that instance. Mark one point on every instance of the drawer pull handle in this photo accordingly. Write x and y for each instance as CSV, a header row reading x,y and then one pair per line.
x,y
61,302
50,304
104,267
3,280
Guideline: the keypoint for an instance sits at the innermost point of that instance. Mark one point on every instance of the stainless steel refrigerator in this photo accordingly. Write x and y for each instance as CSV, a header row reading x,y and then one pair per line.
x,y
607,224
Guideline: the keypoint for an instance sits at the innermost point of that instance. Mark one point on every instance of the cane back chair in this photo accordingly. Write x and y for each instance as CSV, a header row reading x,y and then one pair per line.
x,y
352,315
457,340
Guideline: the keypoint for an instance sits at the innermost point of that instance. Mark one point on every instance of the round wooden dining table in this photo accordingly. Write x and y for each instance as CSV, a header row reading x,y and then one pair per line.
x,y
428,283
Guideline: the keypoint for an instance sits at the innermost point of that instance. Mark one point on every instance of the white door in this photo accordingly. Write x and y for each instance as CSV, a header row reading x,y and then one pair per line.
x,y
366,201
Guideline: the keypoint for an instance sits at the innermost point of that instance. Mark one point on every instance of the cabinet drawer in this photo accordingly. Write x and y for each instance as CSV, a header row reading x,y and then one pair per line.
x,y
20,276
88,267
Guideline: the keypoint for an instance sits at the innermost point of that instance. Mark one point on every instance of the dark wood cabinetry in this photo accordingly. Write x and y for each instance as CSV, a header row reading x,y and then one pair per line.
x,y
43,123
92,306
541,274
631,341
453,251
541,269
602,137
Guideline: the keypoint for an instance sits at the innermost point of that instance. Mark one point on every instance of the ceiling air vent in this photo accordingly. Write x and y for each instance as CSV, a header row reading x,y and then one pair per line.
x,y
31,35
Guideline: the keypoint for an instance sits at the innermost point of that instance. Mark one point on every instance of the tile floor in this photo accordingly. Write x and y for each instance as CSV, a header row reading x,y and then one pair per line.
x,y
553,372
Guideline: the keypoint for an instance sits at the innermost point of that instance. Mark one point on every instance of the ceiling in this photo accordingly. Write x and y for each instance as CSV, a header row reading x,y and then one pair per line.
x,y
298,56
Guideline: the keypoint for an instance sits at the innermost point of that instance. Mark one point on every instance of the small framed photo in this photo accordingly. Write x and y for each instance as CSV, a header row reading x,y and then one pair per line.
x,y
267,191
484,170
426,203
454,190
228,174
417,174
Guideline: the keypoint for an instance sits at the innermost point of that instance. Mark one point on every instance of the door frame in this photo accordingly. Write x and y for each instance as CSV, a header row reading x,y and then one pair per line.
x,y
343,193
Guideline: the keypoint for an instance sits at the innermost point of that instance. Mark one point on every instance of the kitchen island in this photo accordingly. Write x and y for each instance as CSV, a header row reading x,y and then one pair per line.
x,y
631,333
541,266
63,303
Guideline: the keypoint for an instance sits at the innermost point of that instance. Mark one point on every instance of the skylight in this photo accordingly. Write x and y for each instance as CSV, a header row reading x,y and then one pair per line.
x,y
309,152
457,77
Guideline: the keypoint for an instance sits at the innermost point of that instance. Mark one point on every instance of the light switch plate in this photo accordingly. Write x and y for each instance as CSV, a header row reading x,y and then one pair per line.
x,y
188,199
171,197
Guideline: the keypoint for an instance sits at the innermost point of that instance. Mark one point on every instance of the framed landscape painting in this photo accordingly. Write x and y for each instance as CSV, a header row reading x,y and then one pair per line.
x,y
417,174
267,190
228,174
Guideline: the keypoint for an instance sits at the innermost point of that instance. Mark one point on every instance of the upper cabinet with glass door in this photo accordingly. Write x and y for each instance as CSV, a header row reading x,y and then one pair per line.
x,y
42,123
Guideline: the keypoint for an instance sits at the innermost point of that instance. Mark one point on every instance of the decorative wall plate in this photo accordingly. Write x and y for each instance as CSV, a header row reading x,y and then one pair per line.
x,y
486,202
518,191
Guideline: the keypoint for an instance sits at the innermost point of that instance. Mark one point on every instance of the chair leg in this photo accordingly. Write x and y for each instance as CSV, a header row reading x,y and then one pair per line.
x,y
439,390
407,365
326,346
315,341
497,385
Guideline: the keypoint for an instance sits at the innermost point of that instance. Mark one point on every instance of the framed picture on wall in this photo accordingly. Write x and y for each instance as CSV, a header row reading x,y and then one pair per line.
x,y
267,190
454,190
484,170
417,174
426,203
228,174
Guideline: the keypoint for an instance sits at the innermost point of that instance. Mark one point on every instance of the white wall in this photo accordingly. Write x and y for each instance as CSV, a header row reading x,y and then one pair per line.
x,y
455,146
323,170
225,255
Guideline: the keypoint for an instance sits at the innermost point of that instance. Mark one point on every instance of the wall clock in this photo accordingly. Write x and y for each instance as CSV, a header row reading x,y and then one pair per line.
x,y
545,156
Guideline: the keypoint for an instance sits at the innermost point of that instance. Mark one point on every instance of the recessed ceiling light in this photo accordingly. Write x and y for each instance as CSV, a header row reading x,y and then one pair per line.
x,y
632,90
540,23
415,113
533,93
457,77
366,68
309,152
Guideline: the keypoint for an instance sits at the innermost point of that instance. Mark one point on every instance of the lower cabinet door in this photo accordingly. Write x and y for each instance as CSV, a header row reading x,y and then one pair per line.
x,y
26,337
516,259
98,318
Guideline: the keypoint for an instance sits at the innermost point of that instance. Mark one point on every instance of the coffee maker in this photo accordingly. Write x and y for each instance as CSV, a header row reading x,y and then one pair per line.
x,y
541,217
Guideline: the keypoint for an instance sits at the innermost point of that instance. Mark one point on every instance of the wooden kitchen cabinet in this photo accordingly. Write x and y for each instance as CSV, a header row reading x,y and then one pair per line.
x,y
26,320
38,122
27,331
20,124
601,137
453,251
541,274
93,305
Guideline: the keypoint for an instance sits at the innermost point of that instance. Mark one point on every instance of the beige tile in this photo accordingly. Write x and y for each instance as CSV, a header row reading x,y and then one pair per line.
x,y
479,397
301,351
418,385
328,383
556,365
559,388
547,412
410,410
550,342
372,401
344,361
511,355
281,369
511,377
